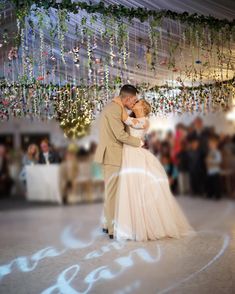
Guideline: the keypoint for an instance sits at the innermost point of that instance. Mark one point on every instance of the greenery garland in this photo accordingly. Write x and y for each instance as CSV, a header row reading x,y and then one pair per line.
x,y
140,87
195,88
120,11
75,107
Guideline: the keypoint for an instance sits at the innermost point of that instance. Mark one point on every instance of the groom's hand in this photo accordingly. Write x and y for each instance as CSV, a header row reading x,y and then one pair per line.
x,y
118,100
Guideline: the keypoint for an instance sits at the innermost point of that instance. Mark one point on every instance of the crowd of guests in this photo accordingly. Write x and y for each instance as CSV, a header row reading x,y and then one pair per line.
x,y
197,160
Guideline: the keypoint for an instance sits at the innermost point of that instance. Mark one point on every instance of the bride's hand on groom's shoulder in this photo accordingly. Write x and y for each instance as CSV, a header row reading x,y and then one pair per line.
x,y
146,125
118,101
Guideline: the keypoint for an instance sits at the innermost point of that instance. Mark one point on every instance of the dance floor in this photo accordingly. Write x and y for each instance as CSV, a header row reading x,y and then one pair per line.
x,y
53,249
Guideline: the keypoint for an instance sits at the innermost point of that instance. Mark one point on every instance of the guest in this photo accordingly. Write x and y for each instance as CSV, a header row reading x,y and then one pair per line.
x,y
154,143
96,170
30,158
5,180
190,132
69,173
170,138
96,175
47,155
202,134
171,171
180,134
213,162
183,167
165,149
196,169
85,177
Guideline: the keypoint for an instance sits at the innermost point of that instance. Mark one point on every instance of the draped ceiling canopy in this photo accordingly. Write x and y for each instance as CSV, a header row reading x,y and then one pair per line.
x,y
176,59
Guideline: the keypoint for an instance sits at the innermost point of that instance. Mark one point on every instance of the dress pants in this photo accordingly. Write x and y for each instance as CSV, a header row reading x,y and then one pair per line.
x,y
111,176
213,186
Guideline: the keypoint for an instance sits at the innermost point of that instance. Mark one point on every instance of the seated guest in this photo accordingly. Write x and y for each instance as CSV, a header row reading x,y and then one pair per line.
x,y
171,171
47,156
213,161
31,157
5,180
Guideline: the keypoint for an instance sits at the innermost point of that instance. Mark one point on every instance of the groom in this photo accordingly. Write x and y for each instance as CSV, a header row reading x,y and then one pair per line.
x,y
109,151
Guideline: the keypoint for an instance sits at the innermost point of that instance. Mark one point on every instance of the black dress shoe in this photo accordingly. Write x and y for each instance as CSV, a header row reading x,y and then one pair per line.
x,y
110,236
105,231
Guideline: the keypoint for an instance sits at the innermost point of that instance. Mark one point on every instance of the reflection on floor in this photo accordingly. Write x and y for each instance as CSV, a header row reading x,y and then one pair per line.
x,y
53,249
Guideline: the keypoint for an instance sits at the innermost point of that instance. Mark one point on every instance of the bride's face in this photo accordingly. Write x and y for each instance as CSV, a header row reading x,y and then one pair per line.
x,y
138,107
130,101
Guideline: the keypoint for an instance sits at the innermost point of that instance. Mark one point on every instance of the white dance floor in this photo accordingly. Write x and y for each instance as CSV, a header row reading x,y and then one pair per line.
x,y
61,250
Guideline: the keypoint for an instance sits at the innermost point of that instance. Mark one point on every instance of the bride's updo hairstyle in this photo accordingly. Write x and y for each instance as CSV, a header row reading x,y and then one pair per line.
x,y
147,107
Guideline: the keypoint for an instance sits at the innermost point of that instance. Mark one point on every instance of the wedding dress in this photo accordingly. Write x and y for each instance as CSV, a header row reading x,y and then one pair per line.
x,y
145,207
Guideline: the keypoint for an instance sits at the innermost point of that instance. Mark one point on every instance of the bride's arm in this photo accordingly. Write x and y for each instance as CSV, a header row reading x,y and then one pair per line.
x,y
137,123
131,121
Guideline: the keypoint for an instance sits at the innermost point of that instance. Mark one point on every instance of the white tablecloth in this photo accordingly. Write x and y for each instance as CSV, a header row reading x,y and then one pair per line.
x,y
43,183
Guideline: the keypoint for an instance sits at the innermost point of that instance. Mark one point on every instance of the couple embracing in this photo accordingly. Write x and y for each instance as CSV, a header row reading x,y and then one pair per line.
x,y
138,202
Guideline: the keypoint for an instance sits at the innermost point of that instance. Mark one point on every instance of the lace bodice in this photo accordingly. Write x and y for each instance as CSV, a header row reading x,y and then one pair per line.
x,y
139,133
137,126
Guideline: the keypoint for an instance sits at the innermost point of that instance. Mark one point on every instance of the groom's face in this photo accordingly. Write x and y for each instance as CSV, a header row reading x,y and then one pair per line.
x,y
130,101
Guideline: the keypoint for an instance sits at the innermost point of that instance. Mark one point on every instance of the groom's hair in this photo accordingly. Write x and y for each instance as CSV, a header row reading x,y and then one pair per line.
x,y
128,90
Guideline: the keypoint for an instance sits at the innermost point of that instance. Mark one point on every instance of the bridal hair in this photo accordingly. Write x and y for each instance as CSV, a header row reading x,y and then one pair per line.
x,y
128,90
147,107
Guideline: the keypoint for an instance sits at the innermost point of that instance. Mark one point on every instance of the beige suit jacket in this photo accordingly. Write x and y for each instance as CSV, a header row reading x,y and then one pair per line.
x,y
112,136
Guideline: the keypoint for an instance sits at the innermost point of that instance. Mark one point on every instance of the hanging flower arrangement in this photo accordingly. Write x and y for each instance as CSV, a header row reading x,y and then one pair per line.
x,y
74,111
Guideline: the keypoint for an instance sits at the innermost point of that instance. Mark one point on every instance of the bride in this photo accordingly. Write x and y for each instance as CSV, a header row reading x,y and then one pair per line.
x,y
145,208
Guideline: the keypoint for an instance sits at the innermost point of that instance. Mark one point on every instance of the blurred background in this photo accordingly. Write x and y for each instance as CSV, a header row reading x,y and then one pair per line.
x,y
38,163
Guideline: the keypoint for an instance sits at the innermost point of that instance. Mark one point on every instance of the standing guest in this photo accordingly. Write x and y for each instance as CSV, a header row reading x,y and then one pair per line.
x,y
171,171
190,132
183,168
69,171
47,156
213,162
170,138
31,157
196,167
96,174
165,149
154,143
180,134
96,170
5,180
202,134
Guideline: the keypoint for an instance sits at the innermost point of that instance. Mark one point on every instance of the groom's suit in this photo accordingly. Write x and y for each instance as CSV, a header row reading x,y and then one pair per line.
x,y
112,136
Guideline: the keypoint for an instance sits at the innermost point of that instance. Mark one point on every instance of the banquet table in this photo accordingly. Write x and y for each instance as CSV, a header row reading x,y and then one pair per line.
x,y
43,183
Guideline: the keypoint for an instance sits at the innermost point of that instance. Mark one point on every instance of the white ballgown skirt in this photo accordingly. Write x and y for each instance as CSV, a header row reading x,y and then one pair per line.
x,y
145,207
